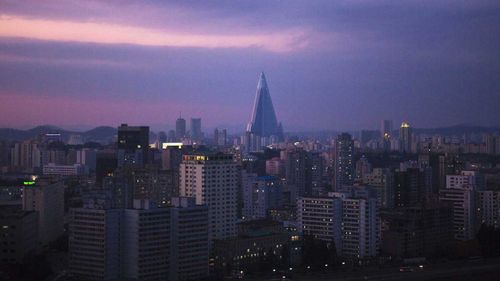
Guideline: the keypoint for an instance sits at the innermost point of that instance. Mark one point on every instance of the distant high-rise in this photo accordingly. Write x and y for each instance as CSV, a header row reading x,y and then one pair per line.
x,y
405,137
386,134
263,123
195,129
344,158
133,145
180,128
386,129
220,137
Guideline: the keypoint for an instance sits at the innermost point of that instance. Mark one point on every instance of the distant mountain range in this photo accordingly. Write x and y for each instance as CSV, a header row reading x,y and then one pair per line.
x,y
101,134
106,134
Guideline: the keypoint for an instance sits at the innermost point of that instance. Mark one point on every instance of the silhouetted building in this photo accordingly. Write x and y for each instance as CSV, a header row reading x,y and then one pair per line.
x,y
421,231
196,134
259,195
18,234
133,145
180,128
106,163
47,198
412,186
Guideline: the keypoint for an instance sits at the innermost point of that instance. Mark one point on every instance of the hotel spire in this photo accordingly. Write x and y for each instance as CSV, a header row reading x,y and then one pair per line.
x,y
263,121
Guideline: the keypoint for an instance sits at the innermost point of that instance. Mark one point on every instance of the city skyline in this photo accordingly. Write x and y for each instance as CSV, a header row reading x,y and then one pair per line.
x,y
341,65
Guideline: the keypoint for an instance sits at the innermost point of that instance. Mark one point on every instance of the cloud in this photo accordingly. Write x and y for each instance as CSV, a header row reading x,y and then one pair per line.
x,y
108,33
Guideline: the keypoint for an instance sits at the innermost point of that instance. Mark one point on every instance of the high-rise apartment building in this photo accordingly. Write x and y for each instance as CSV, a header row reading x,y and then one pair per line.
x,y
212,179
344,161
412,186
405,137
145,242
350,218
189,240
488,206
18,234
94,244
139,243
460,192
321,217
47,198
360,227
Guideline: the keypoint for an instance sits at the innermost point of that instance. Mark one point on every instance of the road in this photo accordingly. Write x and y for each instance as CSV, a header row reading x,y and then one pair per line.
x,y
458,270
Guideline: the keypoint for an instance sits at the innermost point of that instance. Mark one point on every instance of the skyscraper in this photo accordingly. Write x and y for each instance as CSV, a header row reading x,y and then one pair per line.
x,y
195,129
263,123
344,157
405,137
180,128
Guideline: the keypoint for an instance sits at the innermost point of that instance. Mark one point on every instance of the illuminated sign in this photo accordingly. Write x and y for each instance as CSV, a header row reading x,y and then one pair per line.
x,y
166,145
28,183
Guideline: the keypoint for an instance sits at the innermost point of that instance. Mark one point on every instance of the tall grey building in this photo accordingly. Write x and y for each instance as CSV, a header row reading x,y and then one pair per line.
x,y
139,243
189,239
263,122
195,129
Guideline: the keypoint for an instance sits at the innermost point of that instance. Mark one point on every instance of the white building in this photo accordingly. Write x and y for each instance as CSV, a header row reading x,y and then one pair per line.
x,y
460,192
349,218
360,227
212,180
63,170
47,198
470,180
321,217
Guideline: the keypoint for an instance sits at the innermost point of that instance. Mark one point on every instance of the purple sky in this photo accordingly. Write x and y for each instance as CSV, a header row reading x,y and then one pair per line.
x,y
329,64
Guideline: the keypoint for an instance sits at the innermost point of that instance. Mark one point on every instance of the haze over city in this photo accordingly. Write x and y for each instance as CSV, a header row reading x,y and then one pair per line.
x,y
340,64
